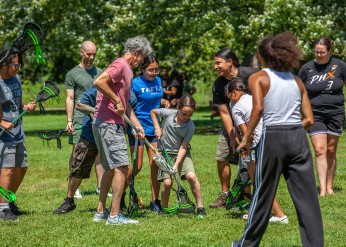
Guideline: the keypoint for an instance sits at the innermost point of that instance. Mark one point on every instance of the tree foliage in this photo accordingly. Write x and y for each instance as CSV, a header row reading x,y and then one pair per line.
x,y
185,34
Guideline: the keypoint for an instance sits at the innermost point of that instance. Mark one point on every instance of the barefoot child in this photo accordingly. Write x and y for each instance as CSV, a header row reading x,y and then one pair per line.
x,y
177,131
241,111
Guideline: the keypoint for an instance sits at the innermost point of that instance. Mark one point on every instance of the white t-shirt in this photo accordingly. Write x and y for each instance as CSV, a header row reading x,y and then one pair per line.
x,y
241,112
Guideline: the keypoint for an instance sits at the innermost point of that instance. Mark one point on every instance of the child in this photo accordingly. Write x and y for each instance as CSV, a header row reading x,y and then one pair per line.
x,y
177,131
241,111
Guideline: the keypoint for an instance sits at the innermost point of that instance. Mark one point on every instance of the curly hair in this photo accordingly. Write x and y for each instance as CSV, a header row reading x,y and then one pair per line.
x,y
280,52
138,43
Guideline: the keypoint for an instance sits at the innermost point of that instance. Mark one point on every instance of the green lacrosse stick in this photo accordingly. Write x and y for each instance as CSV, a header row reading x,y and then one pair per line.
x,y
8,195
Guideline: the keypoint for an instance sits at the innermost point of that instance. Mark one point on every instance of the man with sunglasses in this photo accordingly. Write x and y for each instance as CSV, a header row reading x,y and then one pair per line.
x,y
13,155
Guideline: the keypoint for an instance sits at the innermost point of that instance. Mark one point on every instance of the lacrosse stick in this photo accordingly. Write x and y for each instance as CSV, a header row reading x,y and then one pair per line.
x,y
8,195
235,196
185,205
31,37
48,91
133,208
53,134
158,158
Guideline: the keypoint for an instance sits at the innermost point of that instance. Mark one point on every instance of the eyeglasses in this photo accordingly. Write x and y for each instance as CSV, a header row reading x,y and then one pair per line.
x,y
153,71
320,52
16,66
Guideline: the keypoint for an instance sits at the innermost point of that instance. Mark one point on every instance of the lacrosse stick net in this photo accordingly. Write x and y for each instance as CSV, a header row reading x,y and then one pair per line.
x,y
236,195
8,195
53,134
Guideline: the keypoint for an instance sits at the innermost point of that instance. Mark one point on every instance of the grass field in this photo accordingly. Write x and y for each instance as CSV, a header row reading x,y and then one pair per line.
x,y
44,189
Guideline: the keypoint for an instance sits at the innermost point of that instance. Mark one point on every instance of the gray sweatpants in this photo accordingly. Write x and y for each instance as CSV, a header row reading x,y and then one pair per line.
x,y
284,150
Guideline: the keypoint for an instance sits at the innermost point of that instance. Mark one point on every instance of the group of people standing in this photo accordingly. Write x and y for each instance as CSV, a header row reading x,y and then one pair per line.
x,y
264,113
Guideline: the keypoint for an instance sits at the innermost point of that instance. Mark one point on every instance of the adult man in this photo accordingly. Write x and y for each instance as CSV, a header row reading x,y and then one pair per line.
x,y
77,81
13,156
112,101
227,65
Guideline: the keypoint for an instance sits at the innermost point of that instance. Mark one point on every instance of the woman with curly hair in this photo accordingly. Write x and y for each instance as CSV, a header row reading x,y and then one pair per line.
x,y
281,99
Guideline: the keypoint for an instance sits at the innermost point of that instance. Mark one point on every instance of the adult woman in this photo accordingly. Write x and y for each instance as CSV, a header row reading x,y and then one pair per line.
x,y
281,99
227,65
148,90
324,79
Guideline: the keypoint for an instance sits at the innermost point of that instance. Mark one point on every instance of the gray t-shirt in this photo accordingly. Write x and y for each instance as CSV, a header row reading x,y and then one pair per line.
x,y
241,112
12,106
174,134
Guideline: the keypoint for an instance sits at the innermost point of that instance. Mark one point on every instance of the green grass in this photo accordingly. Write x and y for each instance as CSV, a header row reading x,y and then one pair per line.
x,y
44,189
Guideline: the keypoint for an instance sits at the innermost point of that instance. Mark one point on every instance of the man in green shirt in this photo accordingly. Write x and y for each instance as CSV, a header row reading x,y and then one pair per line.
x,y
77,81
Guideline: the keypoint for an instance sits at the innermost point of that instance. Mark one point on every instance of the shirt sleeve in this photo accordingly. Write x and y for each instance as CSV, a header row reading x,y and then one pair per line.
x,y
237,116
189,133
302,73
115,72
69,81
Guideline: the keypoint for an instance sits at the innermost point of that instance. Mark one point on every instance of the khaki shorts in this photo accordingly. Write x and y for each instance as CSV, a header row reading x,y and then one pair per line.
x,y
83,159
13,155
186,167
224,150
73,138
111,143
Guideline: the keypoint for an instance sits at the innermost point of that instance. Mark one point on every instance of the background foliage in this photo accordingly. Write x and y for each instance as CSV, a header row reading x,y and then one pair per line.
x,y
185,34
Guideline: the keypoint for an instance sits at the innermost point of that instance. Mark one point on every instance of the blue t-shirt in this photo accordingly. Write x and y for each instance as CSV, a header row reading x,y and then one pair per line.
x,y
148,94
88,98
12,106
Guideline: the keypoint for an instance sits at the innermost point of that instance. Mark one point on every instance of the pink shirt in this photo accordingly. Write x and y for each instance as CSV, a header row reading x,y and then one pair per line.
x,y
121,75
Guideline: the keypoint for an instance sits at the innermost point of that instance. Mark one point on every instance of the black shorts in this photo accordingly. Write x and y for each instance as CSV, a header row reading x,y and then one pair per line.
x,y
83,159
324,124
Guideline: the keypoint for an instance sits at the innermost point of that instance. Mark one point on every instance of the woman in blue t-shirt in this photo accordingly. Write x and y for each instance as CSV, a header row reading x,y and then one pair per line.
x,y
148,90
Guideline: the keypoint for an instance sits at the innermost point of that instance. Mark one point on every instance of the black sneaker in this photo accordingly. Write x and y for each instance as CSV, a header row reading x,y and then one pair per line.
x,y
14,208
65,208
201,213
7,214
155,205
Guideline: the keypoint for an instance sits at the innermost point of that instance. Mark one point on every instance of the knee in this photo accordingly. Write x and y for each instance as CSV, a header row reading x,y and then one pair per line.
x,y
191,177
167,184
320,150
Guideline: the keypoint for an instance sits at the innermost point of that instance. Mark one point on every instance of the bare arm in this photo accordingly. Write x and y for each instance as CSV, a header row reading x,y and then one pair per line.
x,y
226,118
181,154
172,91
69,109
306,111
154,115
86,109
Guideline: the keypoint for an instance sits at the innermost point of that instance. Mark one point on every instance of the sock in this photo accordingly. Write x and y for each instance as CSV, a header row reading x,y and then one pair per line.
x,y
69,200
4,206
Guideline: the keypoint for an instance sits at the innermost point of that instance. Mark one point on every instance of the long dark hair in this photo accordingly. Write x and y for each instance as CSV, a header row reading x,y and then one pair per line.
x,y
227,54
149,60
238,84
281,52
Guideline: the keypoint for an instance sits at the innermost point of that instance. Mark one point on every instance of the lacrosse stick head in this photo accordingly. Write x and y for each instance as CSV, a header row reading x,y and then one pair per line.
x,y
162,164
32,36
49,90
186,206
50,135
133,208
8,195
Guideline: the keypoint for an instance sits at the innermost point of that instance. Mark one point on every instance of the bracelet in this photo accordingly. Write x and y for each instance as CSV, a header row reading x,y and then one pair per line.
x,y
69,121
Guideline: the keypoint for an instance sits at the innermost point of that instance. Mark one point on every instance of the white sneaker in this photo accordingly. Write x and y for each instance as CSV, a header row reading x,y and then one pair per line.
x,y
98,192
120,220
282,220
78,194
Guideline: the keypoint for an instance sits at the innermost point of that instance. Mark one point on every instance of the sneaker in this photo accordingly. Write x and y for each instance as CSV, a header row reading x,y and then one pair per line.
x,y
100,216
120,220
155,205
220,201
7,214
245,216
98,192
14,208
201,213
282,220
235,244
78,194
65,208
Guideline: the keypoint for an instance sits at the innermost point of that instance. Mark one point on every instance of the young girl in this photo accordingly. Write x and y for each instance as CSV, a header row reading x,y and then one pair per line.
x,y
241,111
177,131
148,91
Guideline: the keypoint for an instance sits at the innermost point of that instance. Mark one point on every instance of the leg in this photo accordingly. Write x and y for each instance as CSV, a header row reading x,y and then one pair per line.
x,y
5,180
166,191
98,171
277,209
105,185
224,172
17,178
195,188
117,188
73,185
319,143
332,144
154,183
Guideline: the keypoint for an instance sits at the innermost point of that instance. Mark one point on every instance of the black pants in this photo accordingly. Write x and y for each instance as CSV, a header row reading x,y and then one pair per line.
x,y
285,150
